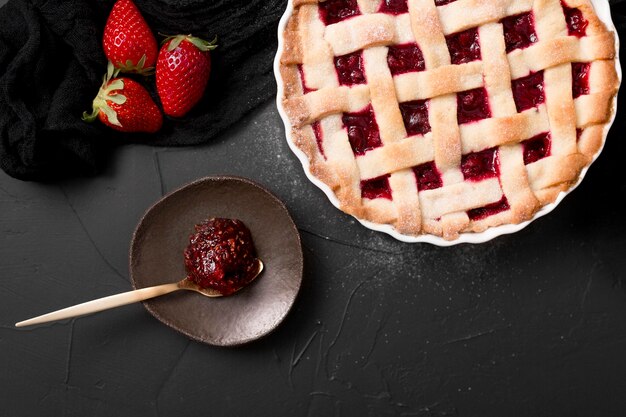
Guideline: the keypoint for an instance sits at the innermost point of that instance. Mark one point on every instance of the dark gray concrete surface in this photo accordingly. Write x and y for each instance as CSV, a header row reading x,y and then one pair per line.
x,y
530,324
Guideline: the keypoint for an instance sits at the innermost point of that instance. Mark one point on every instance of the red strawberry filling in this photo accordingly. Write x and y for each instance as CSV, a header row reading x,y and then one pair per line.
x,y
472,105
536,148
376,188
394,7
489,210
519,31
317,131
464,46
478,166
528,91
405,58
350,68
427,176
580,78
305,88
415,117
579,133
362,130
576,23
333,11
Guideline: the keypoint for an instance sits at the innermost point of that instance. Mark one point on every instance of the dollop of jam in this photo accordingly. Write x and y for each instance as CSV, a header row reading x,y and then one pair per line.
x,y
221,255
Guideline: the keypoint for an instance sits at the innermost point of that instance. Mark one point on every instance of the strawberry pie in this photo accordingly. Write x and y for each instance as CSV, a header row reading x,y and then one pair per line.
x,y
443,117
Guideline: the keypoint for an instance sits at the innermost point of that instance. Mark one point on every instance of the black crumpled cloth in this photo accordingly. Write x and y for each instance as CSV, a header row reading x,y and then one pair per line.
x,y
51,66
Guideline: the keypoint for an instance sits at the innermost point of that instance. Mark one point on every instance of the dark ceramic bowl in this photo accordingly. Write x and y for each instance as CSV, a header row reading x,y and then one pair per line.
x,y
156,257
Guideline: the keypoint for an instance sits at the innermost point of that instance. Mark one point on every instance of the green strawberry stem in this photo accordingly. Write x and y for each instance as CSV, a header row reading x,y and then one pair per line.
x,y
199,43
129,66
107,93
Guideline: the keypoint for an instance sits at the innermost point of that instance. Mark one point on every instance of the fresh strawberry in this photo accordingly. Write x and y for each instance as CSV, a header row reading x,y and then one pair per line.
x,y
182,72
125,105
128,42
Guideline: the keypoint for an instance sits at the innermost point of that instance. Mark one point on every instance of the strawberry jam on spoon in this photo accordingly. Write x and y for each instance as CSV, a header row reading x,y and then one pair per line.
x,y
220,261
221,255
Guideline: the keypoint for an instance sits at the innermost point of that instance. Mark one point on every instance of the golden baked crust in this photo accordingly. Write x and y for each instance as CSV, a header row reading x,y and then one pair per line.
x,y
574,125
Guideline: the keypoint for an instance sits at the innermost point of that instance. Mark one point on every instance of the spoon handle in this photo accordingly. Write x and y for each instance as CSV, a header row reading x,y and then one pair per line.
x,y
102,304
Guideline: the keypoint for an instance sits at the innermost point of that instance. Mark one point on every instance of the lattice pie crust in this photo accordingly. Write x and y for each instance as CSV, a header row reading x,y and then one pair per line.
x,y
447,116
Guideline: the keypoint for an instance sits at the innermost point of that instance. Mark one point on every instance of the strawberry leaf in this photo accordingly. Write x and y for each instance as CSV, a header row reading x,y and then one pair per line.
x,y
201,44
111,115
130,67
176,40
108,93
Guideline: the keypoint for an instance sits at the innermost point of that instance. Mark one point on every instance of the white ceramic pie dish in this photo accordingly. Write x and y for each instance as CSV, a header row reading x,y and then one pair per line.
x,y
604,13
